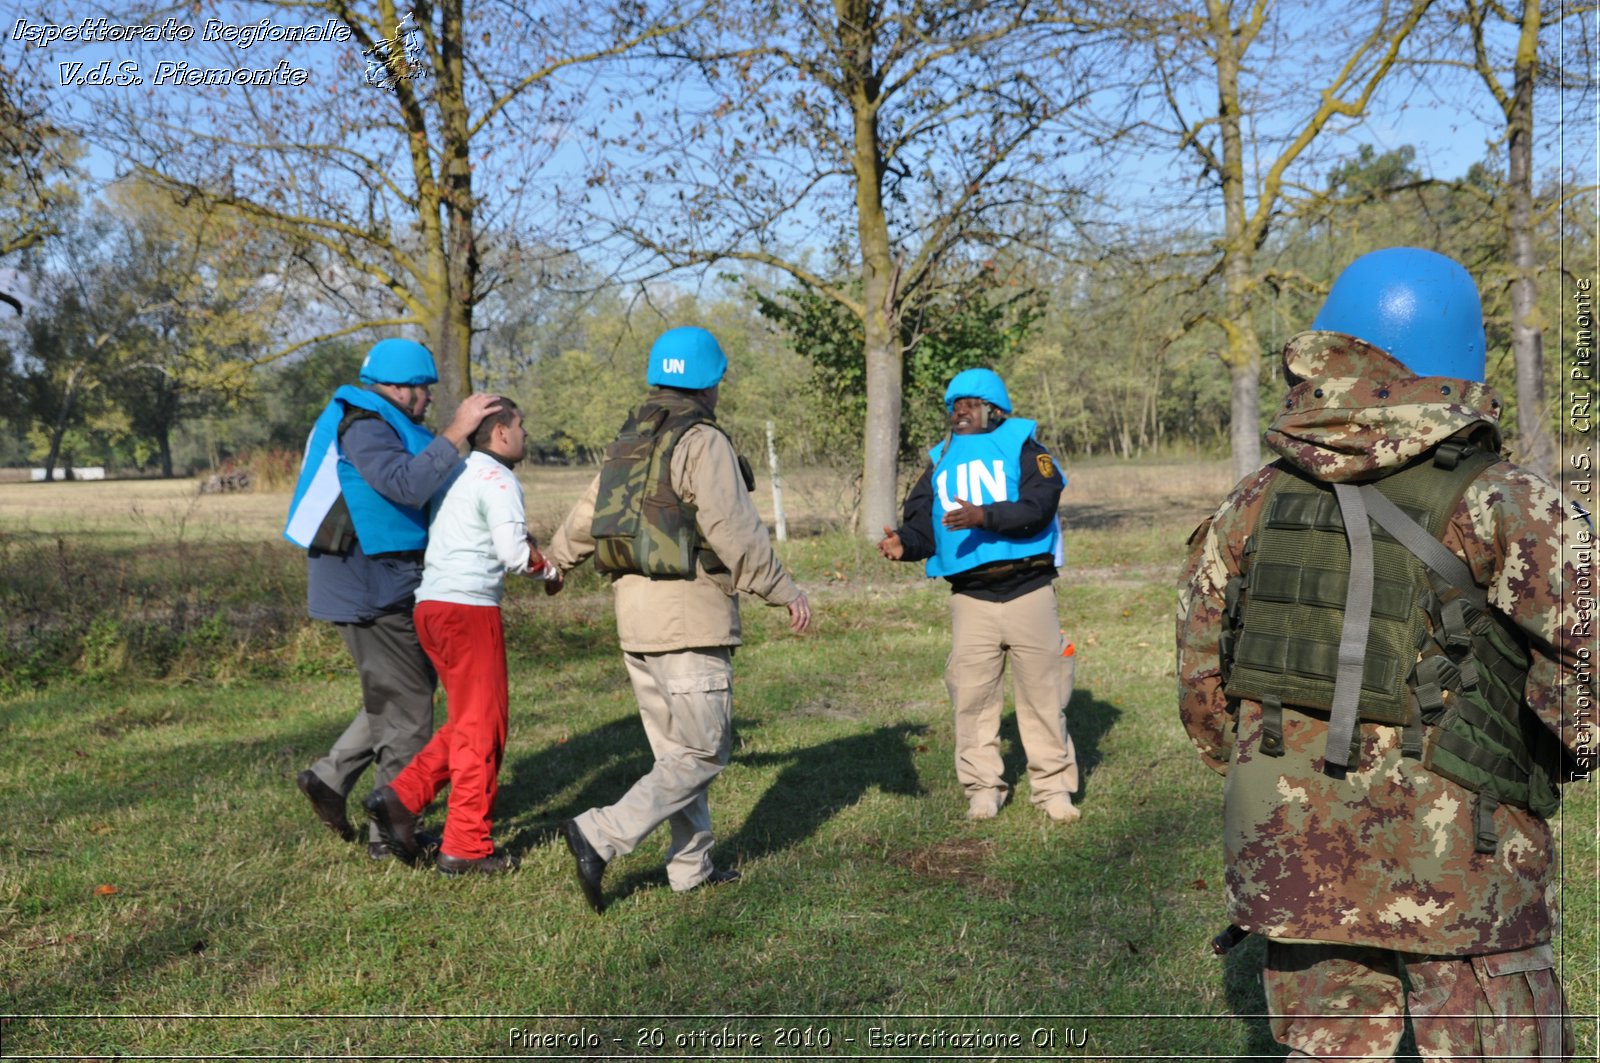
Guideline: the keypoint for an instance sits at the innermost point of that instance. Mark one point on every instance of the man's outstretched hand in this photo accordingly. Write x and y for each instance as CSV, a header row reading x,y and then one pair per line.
x,y
890,545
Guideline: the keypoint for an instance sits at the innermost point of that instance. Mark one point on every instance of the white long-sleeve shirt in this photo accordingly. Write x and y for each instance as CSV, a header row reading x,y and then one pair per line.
x,y
477,533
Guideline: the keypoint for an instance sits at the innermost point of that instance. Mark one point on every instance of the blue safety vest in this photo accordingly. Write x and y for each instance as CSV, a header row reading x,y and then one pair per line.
x,y
382,526
981,468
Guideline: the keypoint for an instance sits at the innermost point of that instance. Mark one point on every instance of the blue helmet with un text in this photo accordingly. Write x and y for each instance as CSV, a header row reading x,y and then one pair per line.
x,y
688,358
1419,306
982,384
406,363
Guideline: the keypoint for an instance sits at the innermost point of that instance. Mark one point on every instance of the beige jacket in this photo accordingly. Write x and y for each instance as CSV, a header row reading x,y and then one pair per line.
x,y
661,615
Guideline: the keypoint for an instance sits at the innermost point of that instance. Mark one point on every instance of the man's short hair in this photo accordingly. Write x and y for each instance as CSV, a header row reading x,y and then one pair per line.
x,y
479,440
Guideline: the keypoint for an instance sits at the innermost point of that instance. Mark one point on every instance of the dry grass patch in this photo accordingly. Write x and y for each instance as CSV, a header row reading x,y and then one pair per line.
x,y
1111,496
151,510
958,860
1100,494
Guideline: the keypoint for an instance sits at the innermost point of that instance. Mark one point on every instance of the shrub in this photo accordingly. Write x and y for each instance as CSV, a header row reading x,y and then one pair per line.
x,y
212,610
271,470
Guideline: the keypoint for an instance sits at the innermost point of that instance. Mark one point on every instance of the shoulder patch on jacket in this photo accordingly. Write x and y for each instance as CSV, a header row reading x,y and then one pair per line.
x,y
1047,466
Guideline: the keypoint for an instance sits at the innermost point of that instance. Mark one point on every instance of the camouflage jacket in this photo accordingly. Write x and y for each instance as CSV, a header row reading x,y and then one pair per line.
x,y
1385,856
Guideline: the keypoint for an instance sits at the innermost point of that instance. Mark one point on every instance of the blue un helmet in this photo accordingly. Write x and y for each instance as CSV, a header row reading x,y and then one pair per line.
x,y
1419,306
688,358
402,362
982,384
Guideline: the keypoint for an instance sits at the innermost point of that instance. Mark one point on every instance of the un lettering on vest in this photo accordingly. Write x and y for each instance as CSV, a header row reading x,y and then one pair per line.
x,y
973,480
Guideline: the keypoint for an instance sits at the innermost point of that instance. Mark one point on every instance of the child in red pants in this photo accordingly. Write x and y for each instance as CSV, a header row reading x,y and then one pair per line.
x,y
477,533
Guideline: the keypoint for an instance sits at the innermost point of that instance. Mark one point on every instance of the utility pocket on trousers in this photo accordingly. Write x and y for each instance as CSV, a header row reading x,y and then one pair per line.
x,y
1505,1005
1526,1009
701,712
1434,985
697,684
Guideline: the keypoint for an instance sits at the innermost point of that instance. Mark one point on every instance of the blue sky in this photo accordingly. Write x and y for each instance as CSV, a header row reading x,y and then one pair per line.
x,y
1449,117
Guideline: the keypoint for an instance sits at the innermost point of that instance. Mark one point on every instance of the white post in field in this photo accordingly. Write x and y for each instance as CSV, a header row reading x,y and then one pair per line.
x,y
780,525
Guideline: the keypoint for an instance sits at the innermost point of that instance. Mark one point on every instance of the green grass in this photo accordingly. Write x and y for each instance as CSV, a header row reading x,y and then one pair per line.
x,y
165,892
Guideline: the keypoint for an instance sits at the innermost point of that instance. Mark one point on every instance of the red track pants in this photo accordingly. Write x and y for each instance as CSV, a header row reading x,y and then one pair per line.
x,y
468,648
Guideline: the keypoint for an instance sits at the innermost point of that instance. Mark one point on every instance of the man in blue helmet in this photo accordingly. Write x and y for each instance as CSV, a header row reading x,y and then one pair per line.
x,y
360,511
671,521
983,516
1376,647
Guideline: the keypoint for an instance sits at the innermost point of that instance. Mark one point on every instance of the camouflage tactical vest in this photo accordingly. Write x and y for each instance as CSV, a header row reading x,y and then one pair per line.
x,y
640,524
1449,673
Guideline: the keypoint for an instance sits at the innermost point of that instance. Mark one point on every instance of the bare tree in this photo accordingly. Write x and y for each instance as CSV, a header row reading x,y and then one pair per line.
x,y
1522,209
865,148
384,155
1245,90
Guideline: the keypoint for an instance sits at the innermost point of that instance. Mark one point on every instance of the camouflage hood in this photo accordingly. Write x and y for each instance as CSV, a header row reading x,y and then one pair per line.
x,y
1354,413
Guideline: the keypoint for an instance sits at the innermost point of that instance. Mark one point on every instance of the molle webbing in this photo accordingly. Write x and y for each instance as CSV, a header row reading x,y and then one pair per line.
x,y
640,524
1292,600
1469,687
1460,687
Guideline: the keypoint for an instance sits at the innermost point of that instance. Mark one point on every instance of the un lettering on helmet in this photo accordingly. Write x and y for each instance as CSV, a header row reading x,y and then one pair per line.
x,y
689,358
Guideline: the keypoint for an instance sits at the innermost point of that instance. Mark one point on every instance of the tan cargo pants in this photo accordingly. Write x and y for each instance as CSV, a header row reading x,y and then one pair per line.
x,y
1027,631
686,705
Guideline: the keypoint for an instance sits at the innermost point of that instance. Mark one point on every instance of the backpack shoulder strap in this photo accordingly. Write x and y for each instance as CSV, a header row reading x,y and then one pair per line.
x,y
1466,463
1430,551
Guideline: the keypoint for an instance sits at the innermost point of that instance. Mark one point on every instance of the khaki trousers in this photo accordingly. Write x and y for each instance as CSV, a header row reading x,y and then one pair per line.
x,y
686,705
984,635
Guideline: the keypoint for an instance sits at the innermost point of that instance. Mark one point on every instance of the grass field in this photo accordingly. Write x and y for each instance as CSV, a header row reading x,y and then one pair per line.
x,y
164,891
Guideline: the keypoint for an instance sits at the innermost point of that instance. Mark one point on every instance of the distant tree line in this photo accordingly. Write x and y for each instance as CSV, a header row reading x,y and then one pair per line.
x,y
1126,211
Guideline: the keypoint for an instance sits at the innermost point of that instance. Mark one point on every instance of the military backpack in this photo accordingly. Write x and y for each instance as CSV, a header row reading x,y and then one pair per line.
x,y
640,524
1426,652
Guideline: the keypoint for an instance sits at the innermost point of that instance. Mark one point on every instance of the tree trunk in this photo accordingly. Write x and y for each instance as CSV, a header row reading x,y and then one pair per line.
x,y
452,325
164,444
442,282
882,441
1244,431
461,250
880,299
58,431
1538,450
780,521
1242,353
167,411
